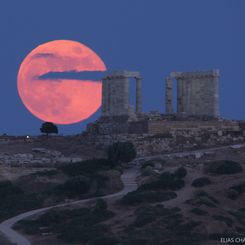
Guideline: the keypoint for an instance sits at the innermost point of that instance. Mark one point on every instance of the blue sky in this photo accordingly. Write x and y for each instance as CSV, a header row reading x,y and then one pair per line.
x,y
154,37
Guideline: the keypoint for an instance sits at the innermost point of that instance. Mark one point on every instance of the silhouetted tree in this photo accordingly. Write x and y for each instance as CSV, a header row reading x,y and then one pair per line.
x,y
49,128
121,152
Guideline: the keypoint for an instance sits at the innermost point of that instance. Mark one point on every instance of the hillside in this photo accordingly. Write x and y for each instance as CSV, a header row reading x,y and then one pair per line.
x,y
178,201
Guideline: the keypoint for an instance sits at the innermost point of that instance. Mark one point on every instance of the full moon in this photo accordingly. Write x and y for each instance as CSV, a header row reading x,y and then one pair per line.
x,y
59,100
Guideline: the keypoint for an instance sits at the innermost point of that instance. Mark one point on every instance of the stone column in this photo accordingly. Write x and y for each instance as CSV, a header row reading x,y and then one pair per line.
x,y
138,95
169,95
104,97
108,96
125,96
216,96
180,96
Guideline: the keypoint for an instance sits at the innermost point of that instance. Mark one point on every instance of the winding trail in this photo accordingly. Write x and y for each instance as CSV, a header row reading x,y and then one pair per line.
x,y
6,227
129,181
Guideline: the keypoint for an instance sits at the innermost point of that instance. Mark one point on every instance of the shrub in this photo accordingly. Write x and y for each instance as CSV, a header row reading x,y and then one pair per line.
x,y
180,173
224,219
73,225
198,211
140,196
224,167
144,218
121,152
49,128
240,188
82,233
205,194
87,167
203,198
166,181
76,186
8,189
200,182
16,201
207,202
169,228
232,194
147,171
240,216
5,183
148,214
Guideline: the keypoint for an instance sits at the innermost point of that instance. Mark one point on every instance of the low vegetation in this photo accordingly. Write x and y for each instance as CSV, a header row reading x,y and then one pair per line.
x,y
227,220
199,211
148,214
81,180
141,196
74,226
159,225
16,200
239,215
200,182
223,167
121,152
159,190
180,173
167,181
240,188
87,167
203,198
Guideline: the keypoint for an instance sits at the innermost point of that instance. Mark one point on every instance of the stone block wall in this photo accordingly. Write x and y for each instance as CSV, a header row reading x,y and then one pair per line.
x,y
197,93
200,93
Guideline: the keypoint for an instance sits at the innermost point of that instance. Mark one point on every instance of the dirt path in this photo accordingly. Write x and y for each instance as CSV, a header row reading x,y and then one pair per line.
x,y
129,181
6,227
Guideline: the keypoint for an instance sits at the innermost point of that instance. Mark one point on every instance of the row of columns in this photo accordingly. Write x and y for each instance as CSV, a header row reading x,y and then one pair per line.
x,y
169,95
138,95
197,93
182,95
115,95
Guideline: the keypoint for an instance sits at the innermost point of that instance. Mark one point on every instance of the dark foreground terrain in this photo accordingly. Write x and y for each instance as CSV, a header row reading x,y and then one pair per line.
x,y
178,201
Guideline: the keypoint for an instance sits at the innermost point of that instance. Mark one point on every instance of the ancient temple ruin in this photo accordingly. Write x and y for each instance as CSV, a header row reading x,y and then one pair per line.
x,y
197,105
115,94
197,93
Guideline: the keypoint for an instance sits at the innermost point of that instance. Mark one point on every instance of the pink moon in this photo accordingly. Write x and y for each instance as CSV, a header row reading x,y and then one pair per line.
x,y
61,101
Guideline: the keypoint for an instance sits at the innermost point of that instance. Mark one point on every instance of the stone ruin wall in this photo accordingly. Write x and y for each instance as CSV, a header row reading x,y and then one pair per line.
x,y
158,127
195,124
175,139
115,94
197,93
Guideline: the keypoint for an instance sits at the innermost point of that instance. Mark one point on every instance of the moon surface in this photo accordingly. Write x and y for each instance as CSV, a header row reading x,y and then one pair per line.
x,y
61,101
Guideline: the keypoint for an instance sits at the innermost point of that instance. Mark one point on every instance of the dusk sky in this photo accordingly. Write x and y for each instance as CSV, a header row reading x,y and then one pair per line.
x,y
153,37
